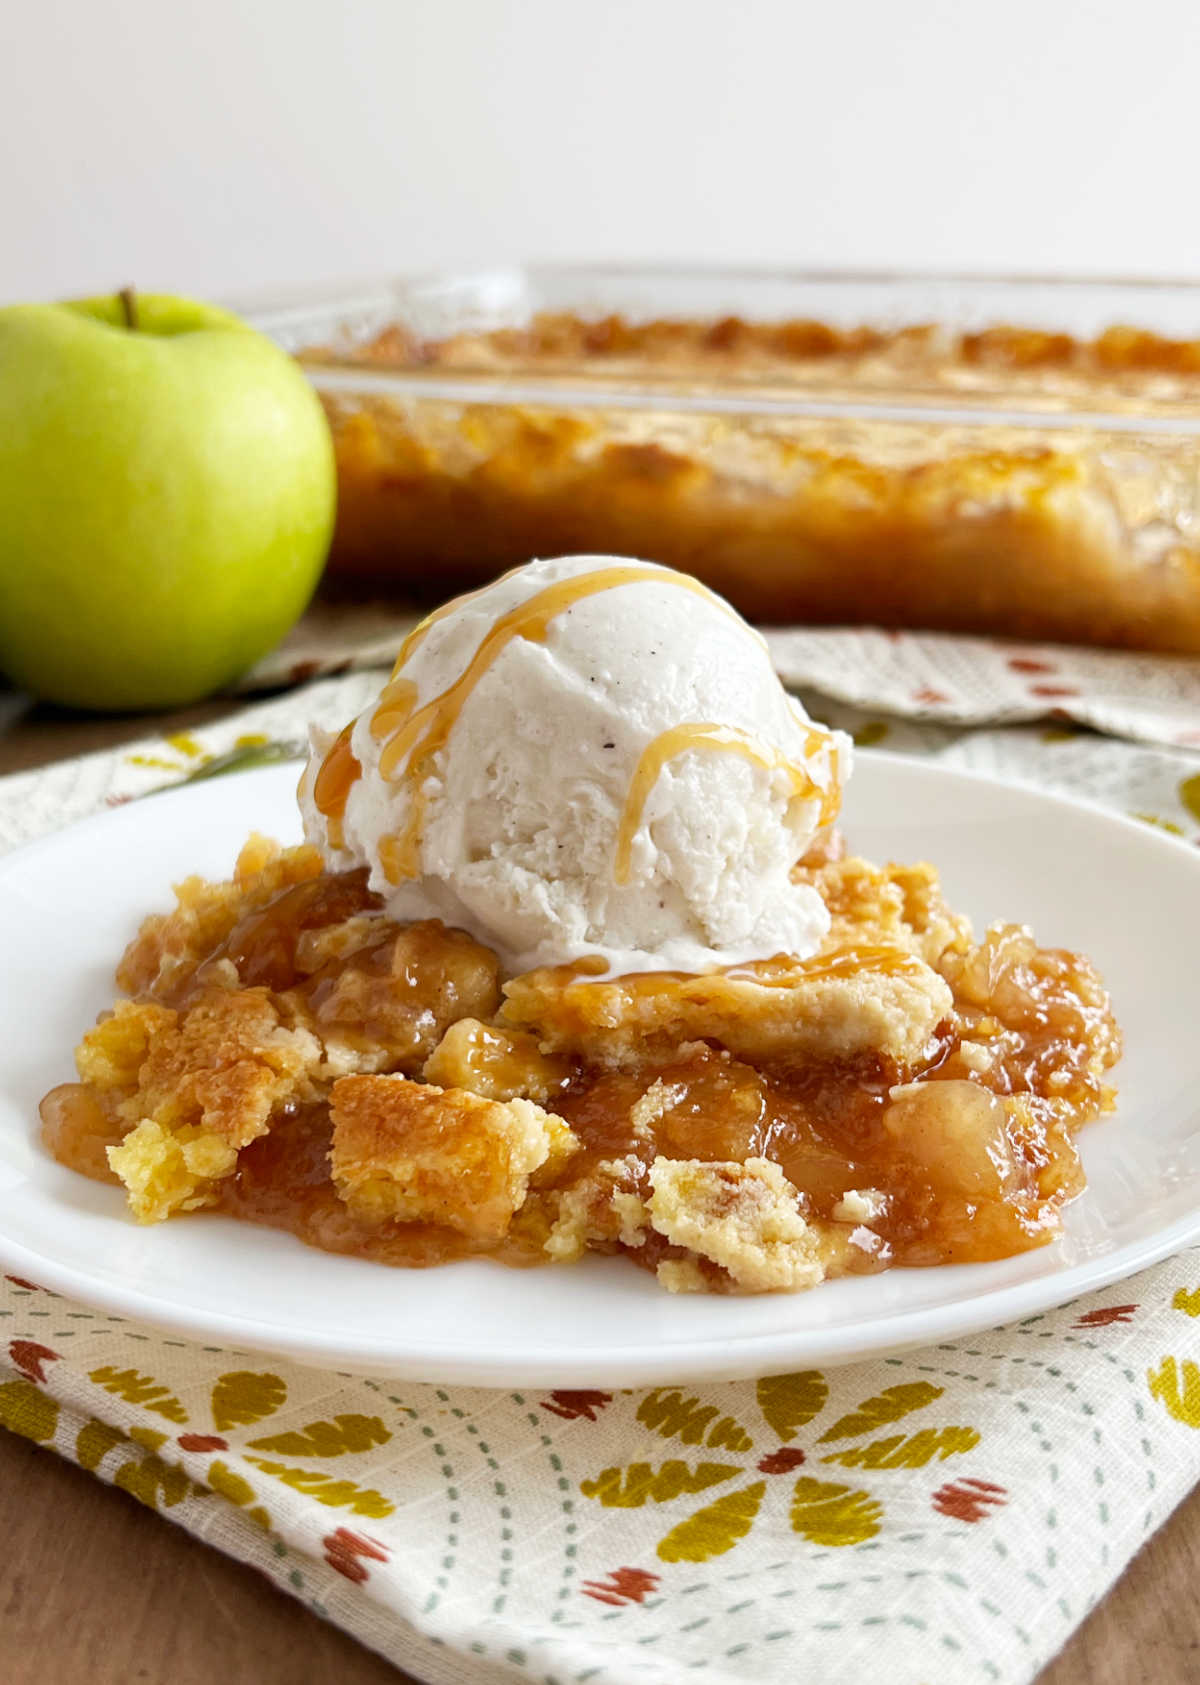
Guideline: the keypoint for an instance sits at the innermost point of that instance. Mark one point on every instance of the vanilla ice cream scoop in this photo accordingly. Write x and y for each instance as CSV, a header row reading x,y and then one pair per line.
x,y
591,756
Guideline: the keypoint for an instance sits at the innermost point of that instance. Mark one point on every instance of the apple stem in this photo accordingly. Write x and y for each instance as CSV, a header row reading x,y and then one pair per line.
x,y
128,298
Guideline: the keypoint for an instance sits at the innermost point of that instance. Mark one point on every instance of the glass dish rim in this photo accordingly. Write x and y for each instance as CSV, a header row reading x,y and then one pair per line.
x,y
291,315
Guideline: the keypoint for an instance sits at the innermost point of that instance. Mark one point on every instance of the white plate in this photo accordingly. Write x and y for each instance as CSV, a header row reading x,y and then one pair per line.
x,y
1081,877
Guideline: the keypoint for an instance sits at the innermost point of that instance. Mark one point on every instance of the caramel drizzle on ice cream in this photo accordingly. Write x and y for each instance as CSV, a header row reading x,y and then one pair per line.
x,y
335,779
396,703
340,769
723,739
413,738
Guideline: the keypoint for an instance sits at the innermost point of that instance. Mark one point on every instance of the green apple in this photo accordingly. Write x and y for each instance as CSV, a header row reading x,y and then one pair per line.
x,y
167,495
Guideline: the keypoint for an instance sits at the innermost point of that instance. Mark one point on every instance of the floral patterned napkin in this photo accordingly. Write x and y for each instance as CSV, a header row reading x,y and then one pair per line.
x,y
959,1508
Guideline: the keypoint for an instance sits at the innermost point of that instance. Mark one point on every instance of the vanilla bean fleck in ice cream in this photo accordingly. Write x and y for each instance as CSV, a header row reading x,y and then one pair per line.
x,y
592,756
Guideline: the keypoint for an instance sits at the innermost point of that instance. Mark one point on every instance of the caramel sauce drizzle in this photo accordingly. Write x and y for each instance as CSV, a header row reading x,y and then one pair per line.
x,y
396,702
331,787
340,769
879,957
725,739
783,971
399,695
414,737
390,859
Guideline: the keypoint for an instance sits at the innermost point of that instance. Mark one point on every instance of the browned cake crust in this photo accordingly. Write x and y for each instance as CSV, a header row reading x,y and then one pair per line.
x,y
415,1152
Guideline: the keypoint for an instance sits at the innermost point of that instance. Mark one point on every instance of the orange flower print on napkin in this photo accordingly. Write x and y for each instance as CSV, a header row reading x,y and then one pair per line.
x,y
622,1586
1105,1316
30,1359
571,1406
968,1500
345,1551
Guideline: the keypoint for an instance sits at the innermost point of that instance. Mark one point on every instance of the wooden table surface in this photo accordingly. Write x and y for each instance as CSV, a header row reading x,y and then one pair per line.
x,y
94,1588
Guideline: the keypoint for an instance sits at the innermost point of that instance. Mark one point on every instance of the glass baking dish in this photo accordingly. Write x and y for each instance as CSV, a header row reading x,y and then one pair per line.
x,y
1011,457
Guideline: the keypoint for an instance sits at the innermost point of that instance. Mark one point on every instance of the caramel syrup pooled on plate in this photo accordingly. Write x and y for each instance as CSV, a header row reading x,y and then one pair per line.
x,y
726,740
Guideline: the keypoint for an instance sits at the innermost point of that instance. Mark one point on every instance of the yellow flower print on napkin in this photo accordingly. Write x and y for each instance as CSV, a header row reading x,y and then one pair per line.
x,y
829,1512
1189,795
243,1398
145,1458
1175,1383
188,759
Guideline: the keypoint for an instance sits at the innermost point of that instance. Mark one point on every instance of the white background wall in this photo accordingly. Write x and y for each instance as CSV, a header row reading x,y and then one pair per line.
x,y
234,144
